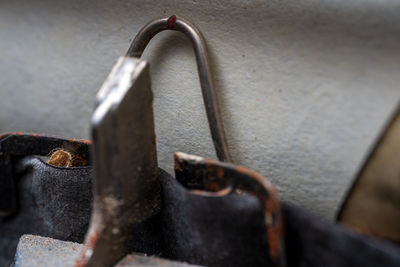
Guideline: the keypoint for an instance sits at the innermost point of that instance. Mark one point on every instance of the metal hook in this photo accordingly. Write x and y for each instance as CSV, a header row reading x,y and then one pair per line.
x,y
207,86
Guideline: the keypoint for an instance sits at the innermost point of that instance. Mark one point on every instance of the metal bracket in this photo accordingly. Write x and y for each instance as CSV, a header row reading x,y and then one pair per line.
x,y
214,178
126,188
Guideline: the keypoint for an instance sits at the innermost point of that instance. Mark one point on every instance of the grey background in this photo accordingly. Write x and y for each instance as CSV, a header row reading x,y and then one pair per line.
x,y
304,86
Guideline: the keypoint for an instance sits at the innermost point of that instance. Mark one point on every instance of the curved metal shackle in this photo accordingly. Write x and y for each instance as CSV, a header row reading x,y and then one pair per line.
x,y
207,85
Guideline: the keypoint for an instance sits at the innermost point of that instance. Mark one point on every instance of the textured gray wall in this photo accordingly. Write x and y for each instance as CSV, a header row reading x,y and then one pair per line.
x,y
304,87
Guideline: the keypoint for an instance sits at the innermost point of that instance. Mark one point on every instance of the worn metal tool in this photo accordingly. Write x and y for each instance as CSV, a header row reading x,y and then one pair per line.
x,y
126,189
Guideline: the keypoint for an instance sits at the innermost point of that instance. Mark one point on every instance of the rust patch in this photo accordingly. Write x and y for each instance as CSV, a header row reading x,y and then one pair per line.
x,y
268,198
266,192
171,22
274,241
209,167
79,161
177,165
60,158
34,134
216,180
220,174
260,188
87,250
84,141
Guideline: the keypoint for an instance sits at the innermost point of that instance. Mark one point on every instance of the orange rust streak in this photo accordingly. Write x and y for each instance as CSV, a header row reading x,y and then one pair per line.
x,y
83,258
220,173
177,166
269,200
266,194
251,174
85,141
274,243
271,203
209,165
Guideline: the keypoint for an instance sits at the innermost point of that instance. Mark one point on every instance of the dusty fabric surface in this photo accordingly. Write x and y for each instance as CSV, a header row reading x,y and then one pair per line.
x,y
56,202
218,231
312,241
52,202
214,231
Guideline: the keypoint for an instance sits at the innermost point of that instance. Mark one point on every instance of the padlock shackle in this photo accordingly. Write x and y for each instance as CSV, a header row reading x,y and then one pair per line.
x,y
207,84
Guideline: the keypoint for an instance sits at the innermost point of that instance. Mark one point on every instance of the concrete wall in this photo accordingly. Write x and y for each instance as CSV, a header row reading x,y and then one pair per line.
x,y
304,86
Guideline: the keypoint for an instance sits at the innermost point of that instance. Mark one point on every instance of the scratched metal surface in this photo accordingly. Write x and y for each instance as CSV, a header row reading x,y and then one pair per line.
x,y
304,87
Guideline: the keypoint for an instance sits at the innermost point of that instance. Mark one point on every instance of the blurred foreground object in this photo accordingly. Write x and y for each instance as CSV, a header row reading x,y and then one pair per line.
x,y
373,204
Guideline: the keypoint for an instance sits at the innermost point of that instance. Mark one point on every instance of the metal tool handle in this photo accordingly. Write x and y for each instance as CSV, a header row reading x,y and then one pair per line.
x,y
207,85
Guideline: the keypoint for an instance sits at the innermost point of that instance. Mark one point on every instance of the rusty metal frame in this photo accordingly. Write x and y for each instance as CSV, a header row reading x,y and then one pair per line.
x,y
214,178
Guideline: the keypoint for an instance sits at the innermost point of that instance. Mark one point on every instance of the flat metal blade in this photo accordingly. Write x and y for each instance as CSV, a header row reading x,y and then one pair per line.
x,y
126,187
